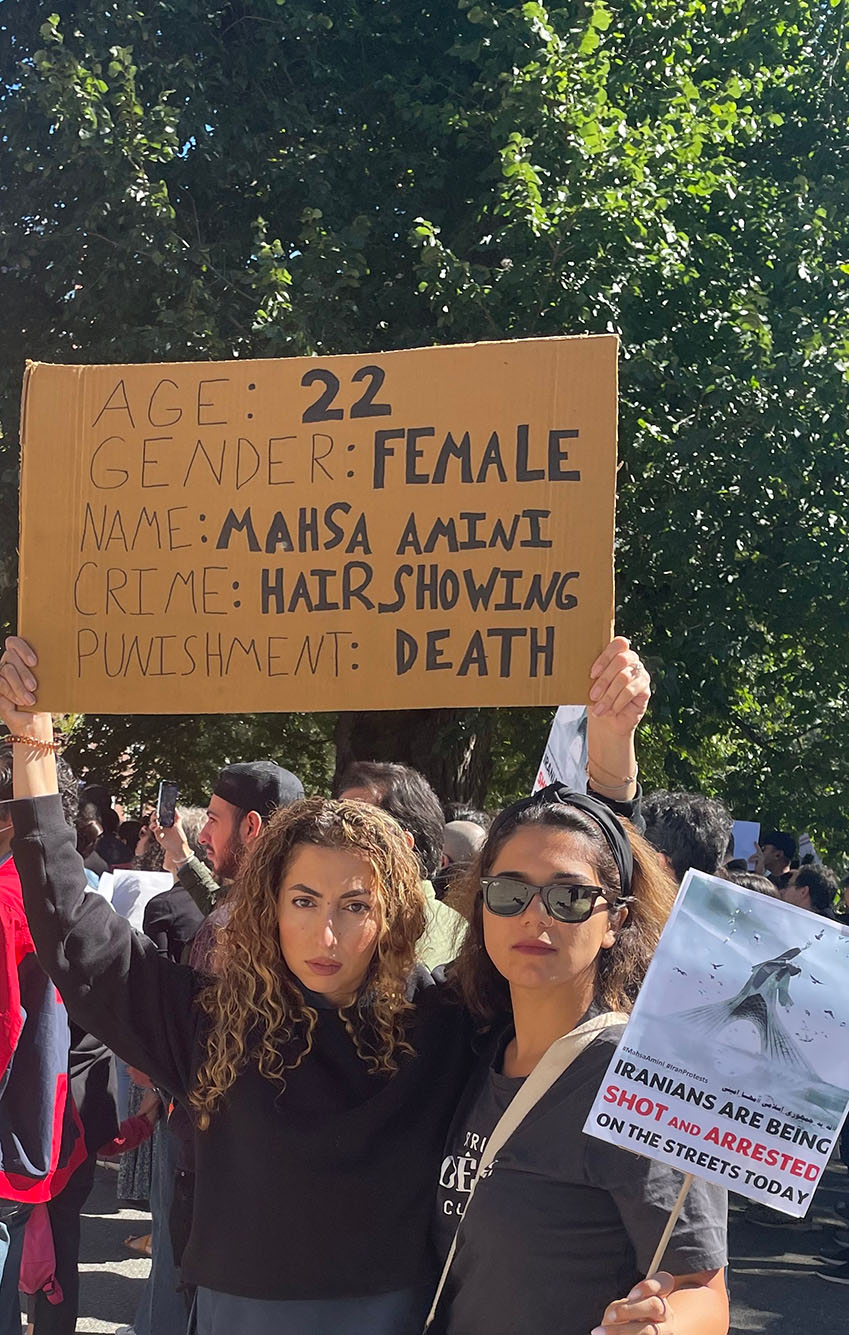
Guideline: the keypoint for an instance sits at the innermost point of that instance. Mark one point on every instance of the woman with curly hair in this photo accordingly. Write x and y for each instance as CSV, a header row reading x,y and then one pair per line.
x,y
566,905
321,1064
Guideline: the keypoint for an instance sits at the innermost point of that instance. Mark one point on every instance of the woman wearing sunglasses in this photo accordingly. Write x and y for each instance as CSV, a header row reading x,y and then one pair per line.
x,y
566,906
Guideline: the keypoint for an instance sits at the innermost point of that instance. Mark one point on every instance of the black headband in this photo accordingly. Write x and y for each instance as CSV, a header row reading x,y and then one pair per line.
x,y
612,829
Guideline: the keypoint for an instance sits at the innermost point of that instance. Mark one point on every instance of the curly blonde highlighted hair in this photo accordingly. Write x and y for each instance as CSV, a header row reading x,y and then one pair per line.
x,y
256,1006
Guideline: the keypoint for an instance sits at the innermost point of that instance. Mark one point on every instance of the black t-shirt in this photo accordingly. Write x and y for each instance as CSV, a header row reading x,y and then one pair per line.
x,y
561,1224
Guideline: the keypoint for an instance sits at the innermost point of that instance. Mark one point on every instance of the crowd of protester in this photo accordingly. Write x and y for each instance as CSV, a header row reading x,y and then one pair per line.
x,y
297,1021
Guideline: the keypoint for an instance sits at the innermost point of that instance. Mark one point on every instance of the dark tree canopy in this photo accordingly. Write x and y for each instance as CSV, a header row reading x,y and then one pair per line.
x,y
192,180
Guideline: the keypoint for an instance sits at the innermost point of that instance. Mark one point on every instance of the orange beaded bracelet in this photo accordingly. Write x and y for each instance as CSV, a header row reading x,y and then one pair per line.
x,y
35,743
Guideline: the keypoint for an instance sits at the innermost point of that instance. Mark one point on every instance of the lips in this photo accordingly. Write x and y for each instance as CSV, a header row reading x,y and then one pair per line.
x,y
324,967
534,948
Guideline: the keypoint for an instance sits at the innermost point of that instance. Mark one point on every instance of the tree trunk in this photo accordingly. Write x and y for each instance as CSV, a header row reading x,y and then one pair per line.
x,y
451,747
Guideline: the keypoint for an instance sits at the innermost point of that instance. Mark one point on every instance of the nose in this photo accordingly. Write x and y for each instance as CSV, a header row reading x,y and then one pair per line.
x,y
202,837
328,935
536,910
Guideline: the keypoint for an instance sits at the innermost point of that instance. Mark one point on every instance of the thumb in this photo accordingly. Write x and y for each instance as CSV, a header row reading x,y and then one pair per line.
x,y
658,1285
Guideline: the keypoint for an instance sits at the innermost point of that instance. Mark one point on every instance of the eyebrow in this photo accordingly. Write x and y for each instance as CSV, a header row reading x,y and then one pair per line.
x,y
308,890
578,877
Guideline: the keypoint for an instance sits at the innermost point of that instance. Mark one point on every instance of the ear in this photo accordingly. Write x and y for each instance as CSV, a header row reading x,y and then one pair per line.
x,y
251,827
411,843
446,861
616,921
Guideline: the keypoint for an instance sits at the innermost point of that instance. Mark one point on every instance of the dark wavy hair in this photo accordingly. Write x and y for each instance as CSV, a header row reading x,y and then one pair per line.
x,y
691,829
622,968
406,795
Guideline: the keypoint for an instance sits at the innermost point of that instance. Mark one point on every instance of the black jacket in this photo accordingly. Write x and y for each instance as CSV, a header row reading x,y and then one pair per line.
x,y
171,920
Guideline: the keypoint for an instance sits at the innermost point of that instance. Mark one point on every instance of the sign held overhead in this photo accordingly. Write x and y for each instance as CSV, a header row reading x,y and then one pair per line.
x,y
418,529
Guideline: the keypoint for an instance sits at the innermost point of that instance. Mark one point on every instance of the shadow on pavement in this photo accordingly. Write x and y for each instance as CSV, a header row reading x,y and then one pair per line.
x,y
773,1282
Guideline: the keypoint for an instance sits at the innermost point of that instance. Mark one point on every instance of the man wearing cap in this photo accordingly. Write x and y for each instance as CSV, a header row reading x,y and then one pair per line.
x,y
243,801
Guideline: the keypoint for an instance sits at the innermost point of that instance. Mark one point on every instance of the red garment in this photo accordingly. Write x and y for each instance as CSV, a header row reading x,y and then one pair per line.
x,y
41,1136
132,1132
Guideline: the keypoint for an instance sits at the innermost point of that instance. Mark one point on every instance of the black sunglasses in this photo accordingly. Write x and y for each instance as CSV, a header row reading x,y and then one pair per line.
x,y
566,902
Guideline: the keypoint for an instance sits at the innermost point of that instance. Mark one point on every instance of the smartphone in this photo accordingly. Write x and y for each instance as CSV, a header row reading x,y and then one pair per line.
x,y
166,803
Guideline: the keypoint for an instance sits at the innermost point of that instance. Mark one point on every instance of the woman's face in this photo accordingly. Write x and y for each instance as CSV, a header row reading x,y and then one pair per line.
x,y
327,917
534,950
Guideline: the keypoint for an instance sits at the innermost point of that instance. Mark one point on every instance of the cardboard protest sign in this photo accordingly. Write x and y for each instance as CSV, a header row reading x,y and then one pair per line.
x,y
564,759
735,1063
416,529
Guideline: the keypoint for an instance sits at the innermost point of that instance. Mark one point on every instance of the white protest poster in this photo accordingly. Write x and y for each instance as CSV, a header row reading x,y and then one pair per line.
x,y
807,850
746,834
735,1062
132,889
565,757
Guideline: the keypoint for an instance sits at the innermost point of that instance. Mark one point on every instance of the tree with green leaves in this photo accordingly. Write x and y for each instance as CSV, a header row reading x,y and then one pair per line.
x,y
198,179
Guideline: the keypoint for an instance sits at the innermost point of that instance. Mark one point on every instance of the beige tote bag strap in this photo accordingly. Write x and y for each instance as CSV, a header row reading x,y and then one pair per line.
x,y
550,1066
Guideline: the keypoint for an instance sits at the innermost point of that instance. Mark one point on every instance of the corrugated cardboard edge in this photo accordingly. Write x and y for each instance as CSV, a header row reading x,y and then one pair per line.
x,y
615,486
350,356
29,371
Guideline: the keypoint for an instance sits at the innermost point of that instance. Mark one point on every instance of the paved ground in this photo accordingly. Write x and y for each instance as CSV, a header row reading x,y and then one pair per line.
x,y
112,1277
773,1287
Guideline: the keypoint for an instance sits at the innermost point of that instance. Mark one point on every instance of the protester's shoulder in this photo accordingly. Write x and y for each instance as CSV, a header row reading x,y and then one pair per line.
x,y
426,987
600,1050
160,906
608,1037
583,1075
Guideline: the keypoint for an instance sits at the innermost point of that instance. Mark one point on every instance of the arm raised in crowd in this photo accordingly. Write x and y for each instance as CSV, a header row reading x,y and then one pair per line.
x,y
189,870
619,696
112,979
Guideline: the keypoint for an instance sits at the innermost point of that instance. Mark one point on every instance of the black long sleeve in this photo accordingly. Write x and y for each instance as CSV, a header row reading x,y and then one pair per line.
x,y
339,1163
112,979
